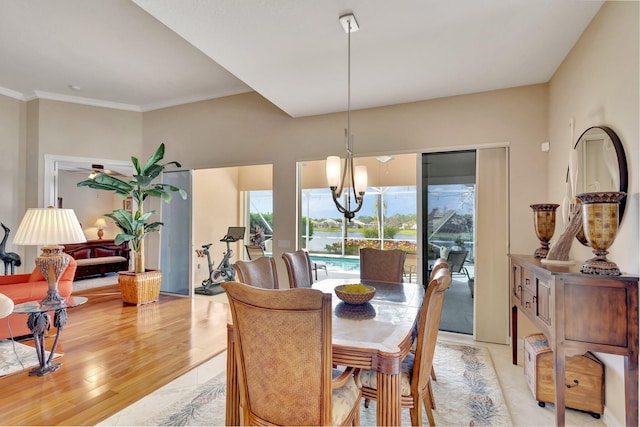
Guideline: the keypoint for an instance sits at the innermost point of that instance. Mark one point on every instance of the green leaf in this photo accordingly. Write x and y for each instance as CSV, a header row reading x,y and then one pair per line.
x,y
155,158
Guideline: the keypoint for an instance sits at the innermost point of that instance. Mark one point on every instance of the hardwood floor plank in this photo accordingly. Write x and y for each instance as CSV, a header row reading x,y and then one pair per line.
x,y
113,355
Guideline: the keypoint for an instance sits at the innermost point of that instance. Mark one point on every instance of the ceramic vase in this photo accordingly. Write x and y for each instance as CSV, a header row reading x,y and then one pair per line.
x,y
600,224
544,221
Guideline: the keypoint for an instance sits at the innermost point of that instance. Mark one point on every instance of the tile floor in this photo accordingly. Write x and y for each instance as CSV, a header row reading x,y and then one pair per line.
x,y
523,408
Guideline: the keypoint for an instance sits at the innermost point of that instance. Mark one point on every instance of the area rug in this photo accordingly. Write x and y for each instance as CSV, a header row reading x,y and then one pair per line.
x,y
467,393
23,357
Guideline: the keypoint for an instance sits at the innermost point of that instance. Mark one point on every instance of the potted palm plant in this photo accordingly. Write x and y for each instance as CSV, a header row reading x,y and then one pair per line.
x,y
141,285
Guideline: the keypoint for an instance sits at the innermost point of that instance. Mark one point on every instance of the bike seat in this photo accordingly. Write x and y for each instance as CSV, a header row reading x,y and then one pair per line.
x,y
207,246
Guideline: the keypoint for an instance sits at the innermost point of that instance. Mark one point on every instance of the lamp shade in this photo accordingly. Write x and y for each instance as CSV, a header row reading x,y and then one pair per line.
x,y
100,223
48,226
360,179
333,171
6,306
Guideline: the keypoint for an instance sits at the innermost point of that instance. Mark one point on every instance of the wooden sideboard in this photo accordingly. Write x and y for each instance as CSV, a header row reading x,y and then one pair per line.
x,y
578,313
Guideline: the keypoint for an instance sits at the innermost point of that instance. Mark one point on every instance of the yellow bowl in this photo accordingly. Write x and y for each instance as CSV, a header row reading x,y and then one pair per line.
x,y
355,298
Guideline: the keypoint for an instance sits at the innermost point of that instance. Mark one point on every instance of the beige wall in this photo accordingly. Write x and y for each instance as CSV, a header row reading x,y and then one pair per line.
x,y
216,203
13,162
597,84
246,129
85,131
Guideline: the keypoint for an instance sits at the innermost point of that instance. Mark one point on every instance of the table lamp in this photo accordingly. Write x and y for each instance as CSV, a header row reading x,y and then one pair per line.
x,y
6,306
100,224
50,227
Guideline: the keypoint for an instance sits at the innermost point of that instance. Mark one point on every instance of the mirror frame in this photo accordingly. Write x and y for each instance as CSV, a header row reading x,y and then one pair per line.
x,y
622,166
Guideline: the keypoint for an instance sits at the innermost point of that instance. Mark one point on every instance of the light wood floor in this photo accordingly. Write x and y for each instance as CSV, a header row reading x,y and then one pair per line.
x,y
113,356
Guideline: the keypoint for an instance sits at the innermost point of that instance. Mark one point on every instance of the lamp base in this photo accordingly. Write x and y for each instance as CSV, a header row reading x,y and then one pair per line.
x,y
53,297
601,266
51,263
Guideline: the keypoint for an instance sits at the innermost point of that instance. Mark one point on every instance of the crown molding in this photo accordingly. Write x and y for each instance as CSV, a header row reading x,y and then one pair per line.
x,y
117,105
86,101
191,99
12,94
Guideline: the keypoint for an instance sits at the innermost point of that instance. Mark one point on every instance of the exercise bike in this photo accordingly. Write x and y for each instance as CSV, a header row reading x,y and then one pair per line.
x,y
224,271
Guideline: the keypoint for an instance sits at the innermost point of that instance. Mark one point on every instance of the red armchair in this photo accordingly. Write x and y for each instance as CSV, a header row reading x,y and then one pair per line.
x,y
30,287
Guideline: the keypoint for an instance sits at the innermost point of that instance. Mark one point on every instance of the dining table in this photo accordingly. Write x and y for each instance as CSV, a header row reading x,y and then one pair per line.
x,y
376,335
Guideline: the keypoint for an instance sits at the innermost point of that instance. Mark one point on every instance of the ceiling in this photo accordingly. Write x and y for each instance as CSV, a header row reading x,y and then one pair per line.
x,y
142,55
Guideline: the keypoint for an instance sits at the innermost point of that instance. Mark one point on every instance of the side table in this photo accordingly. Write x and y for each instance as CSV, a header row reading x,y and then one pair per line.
x,y
39,322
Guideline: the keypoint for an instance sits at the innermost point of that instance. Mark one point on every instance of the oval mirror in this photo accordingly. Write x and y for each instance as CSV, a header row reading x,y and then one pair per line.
x,y
602,165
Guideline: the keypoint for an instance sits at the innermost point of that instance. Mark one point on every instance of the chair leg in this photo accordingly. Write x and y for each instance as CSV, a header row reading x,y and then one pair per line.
x,y
416,414
427,407
431,397
356,417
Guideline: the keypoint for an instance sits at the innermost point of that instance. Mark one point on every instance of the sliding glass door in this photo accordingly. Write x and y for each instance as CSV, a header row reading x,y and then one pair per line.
x,y
449,213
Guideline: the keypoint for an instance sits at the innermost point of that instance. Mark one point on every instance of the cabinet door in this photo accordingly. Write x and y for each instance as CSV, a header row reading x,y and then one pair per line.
x,y
543,301
516,282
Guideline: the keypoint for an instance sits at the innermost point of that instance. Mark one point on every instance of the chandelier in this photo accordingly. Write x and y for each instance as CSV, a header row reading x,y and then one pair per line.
x,y
356,183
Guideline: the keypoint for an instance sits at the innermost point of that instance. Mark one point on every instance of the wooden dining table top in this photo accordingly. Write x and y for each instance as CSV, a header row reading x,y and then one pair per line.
x,y
382,325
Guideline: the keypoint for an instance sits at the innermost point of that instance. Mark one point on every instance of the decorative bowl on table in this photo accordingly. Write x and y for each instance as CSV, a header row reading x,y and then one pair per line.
x,y
355,293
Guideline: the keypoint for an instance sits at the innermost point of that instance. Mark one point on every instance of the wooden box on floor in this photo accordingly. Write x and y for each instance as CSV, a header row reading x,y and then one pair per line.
x,y
584,376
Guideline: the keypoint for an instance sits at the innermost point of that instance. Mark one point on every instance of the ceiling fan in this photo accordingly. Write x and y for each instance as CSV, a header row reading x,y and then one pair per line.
x,y
97,168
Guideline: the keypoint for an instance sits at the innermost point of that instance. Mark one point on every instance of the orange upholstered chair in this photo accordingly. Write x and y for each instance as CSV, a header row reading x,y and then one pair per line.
x,y
30,287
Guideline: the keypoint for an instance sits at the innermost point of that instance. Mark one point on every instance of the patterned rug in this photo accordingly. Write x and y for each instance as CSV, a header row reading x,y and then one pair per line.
x,y
18,358
467,393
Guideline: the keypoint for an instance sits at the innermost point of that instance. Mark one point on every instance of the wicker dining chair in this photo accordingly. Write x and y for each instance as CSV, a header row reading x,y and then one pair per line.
x,y
299,387
416,368
299,269
382,265
260,272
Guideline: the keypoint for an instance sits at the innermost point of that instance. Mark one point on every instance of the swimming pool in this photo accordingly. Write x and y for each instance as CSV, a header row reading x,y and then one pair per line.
x,y
338,263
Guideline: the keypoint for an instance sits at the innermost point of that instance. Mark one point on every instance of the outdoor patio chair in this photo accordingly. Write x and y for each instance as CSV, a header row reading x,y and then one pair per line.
x,y
456,260
410,267
299,387
254,252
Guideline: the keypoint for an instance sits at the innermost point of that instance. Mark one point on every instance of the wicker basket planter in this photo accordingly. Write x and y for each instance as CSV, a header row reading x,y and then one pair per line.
x,y
140,288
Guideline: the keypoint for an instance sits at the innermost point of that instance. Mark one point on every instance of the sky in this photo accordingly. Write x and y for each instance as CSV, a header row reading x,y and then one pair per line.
x,y
400,200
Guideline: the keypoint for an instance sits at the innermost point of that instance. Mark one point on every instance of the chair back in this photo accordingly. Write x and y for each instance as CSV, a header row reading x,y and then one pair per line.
x,y
382,265
428,331
254,252
260,272
299,269
456,260
296,387
437,265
